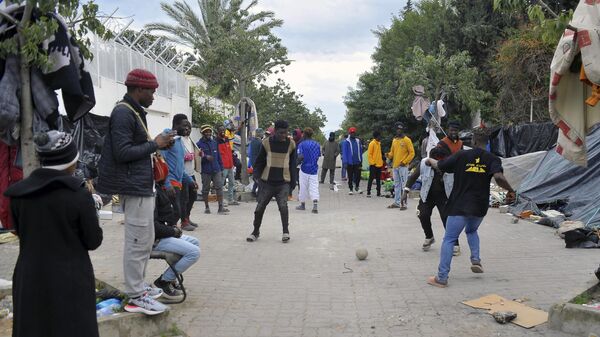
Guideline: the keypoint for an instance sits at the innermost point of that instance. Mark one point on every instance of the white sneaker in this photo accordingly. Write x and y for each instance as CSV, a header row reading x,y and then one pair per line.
x,y
350,192
456,251
427,244
145,304
153,291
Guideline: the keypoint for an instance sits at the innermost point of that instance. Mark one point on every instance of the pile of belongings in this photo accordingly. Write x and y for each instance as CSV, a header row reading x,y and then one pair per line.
x,y
577,235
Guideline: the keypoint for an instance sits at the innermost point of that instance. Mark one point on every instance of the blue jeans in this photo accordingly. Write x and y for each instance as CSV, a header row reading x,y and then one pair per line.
x,y
186,246
228,175
343,171
454,226
400,178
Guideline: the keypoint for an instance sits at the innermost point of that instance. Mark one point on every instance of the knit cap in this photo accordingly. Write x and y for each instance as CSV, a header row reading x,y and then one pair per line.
x,y
141,78
205,127
56,149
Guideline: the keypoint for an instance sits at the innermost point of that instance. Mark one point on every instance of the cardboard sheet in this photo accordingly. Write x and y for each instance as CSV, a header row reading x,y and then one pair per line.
x,y
527,317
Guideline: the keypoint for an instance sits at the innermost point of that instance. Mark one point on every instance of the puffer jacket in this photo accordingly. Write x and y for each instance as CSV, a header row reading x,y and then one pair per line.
x,y
125,165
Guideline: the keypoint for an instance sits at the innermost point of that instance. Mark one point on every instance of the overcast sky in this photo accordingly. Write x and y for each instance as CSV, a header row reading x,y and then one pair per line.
x,y
330,42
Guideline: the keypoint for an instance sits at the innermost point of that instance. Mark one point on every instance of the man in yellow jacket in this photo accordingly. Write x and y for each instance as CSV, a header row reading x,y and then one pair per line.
x,y
375,157
401,154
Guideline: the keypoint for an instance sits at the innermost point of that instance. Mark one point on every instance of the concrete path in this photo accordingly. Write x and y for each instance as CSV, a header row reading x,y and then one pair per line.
x,y
315,286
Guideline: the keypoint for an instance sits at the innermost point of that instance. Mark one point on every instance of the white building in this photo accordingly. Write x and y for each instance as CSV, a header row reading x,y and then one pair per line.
x,y
109,67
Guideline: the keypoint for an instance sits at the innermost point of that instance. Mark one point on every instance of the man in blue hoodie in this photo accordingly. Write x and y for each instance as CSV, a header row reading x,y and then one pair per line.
x,y
177,177
352,158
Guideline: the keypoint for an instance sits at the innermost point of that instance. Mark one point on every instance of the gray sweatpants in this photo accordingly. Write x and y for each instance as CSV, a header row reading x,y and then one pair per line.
x,y
139,238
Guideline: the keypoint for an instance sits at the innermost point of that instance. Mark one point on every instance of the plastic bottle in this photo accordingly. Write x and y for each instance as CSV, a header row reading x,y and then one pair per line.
x,y
108,310
107,303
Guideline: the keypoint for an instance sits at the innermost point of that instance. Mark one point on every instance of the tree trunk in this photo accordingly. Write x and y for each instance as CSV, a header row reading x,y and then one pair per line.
x,y
244,134
30,160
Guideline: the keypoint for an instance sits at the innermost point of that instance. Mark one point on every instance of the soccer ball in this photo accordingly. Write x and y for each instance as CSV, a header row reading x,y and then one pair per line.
x,y
361,253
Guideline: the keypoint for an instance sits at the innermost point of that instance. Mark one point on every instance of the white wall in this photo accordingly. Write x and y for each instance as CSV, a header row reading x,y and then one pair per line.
x,y
160,113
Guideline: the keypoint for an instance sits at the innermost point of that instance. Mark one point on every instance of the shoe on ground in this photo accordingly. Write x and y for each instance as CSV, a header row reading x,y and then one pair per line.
x,y
145,304
358,190
193,223
344,179
188,227
427,244
152,291
456,251
331,186
476,267
350,192
207,211
169,291
301,208
403,208
285,237
223,211
433,280
234,203
394,205
314,211
368,195
252,237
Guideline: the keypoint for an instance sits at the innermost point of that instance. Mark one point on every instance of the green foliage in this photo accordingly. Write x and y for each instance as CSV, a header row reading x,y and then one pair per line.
x,y
203,112
549,17
521,65
441,72
34,33
281,102
235,44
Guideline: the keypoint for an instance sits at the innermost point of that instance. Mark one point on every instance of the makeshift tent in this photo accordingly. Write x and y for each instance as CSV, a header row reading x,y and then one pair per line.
x,y
560,182
89,133
511,141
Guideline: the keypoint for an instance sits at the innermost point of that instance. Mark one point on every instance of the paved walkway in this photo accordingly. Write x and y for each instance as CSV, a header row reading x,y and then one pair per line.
x,y
315,286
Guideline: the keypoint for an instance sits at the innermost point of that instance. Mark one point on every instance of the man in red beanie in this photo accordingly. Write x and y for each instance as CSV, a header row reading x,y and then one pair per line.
x,y
125,169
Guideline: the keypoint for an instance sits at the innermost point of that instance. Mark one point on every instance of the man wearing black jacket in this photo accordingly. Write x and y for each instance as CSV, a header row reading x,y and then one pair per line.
x,y
125,168
275,170
169,239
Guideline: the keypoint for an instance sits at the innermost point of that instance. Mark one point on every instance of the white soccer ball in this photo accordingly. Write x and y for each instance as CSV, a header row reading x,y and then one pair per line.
x,y
361,253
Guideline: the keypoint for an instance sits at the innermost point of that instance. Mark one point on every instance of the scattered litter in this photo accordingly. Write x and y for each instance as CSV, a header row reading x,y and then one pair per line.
x,y
568,225
515,219
504,317
527,317
552,213
347,271
503,209
522,300
526,214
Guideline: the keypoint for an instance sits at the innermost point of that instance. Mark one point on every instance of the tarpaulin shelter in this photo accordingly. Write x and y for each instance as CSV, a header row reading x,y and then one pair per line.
x,y
557,181
516,140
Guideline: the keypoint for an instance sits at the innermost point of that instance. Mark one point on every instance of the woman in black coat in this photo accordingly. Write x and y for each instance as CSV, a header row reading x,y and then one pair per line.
x,y
56,221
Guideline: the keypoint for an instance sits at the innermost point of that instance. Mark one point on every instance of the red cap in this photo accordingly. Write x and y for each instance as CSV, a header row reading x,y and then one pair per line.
x,y
141,78
352,129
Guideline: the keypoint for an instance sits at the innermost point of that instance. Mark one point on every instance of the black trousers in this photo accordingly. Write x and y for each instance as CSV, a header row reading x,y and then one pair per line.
x,y
374,173
353,175
434,199
267,191
175,199
324,174
188,197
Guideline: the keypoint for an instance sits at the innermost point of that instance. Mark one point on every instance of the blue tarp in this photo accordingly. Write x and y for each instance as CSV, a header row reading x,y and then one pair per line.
x,y
558,181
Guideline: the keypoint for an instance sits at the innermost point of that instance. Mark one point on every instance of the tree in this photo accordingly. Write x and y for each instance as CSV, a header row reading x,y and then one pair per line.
x,y
26,44
549,17
521,65
281,102
203,109
407,8
204,32
231,40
